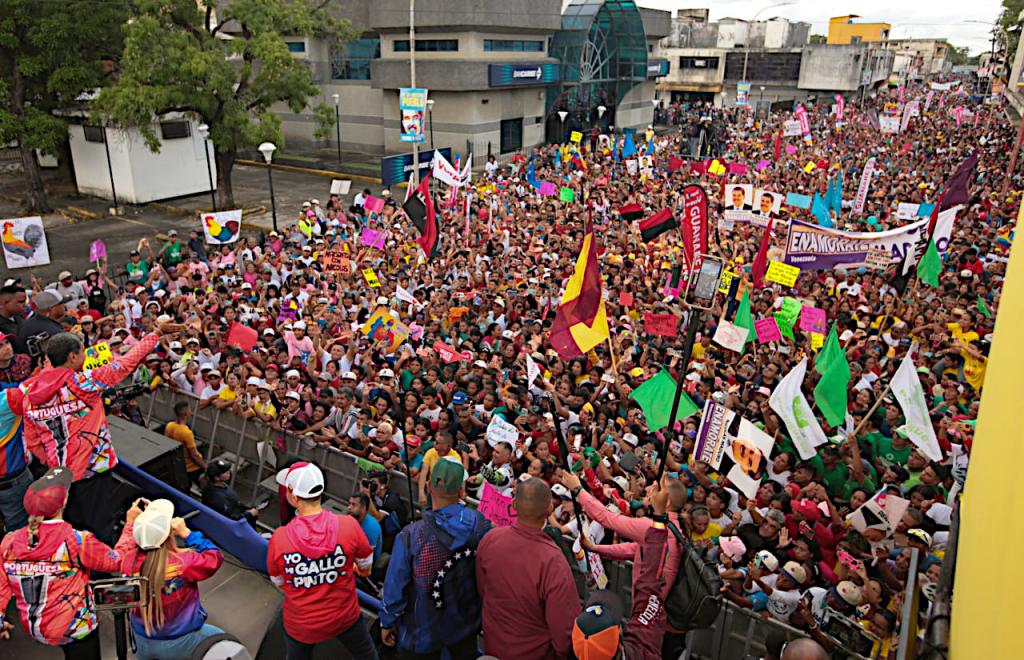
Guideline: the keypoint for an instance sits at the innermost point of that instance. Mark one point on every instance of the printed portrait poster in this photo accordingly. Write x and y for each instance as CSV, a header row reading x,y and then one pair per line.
x,y
739,202
412,102
766,206
747,457
24,241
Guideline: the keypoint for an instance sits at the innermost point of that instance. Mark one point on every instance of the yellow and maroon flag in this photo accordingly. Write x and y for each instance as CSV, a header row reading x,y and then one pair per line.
x,y
581,322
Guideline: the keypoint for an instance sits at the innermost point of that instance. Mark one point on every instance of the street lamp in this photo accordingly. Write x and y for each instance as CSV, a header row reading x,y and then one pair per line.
x,y
430,120
746,44
760,97
337,124
204,132
110,169
268,149
562,114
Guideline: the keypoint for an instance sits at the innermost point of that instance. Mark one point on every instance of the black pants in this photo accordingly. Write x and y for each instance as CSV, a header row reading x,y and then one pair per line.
x,y
87,648
89,506
673,645
464,650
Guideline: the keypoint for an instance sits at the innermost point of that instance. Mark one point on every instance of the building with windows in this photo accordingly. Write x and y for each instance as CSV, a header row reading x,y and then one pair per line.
x,y
498,73
842,31
919,59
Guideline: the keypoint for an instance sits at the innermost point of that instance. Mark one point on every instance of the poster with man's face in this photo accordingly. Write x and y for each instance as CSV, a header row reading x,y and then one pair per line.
x,y
739,202
766,205
749,453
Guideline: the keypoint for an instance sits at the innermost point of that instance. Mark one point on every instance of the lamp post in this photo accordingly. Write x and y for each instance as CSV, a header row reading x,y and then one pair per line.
x,y
110,169
746,44
337,123
562,114
204,132
760,98
268,149
430,120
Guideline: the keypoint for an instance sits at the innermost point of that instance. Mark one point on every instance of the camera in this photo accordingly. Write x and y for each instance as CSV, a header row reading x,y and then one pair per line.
x,y
120,594
371,484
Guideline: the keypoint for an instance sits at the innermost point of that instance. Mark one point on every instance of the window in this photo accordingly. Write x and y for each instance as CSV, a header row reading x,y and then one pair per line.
x,y
511,135
515,45
854,40
351,61
175,130
428,45
296,46
93,133
698,62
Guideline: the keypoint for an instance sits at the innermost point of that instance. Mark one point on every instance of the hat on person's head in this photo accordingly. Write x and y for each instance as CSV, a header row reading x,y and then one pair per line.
x,y
293,395
808,509
268,331
64,275
348,375
299,325
264,385
46,495
382,300
413,441
153,525
214,373
46,299
217,468
595,633
459,398
621,482
795,572
304,479
191,340
561,492
732,546
386,373
447,476
480,363
921,536
292,373
849,592
172,232
766,560
253,380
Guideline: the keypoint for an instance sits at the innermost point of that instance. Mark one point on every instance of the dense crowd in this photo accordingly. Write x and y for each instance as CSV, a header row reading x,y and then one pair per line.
x,y
404,359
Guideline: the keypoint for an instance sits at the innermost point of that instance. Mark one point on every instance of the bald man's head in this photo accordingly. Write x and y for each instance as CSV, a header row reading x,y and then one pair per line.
x,y
533,502
804,649
676,494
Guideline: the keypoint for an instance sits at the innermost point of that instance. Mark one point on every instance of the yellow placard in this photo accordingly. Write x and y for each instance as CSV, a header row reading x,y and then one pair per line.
x,y
371,278
726,281
781,273
575,136
809,167
383,326
817,340
97,355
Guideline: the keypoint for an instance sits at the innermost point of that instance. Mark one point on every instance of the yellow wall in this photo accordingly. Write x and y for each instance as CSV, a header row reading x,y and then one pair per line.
x,y
841,31
986,602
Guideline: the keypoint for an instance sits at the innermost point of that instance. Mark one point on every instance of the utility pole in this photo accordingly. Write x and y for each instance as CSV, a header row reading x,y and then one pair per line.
x,y
414,180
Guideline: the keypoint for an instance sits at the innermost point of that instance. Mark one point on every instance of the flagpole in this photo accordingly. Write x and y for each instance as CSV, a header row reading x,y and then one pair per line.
x,y
560,437
691,336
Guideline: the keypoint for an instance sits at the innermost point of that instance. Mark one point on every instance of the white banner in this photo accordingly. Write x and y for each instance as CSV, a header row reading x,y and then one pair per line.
x,y
501,431
790,404
222,227
889,124
791,127
907,387
446,172
865,184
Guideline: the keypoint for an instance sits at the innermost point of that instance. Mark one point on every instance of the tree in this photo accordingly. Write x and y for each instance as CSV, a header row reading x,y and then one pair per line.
x,y
50,54
818,39
959,55
1009,22
225,63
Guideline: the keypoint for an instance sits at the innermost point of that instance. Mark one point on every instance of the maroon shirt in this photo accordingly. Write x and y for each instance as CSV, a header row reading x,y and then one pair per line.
x,y
529,596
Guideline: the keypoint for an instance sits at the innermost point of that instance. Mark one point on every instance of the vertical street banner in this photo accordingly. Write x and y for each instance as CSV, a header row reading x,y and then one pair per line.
x,y
412,102
805,122
865,184
694,225
743,93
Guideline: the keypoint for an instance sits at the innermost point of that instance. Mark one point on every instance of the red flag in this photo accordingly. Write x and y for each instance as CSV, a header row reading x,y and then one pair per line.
x,y
760,265
694,224
242,337
674,163
778,146
420,209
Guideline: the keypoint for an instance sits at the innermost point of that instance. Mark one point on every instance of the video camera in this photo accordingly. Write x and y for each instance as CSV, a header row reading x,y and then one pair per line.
x,y
119,396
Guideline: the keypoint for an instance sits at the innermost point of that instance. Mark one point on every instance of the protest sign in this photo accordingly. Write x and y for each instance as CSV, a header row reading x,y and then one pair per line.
x,y
626,299
798,201
97,355
767,330
730,336
547,188
575,136
97,251
223,227
810,167
781,273
749,452
412,103
383,326
501,431
371,278
725,282
766,206
566,194
242,337
888,124
882,513
664,325
739,202
449,354
817,340
906,210
763,163
790,310
878,257
496,507
335,261
373,204
865,184
24,241
712,436
785,326
737,168
812,319
791,127
372,238
340,186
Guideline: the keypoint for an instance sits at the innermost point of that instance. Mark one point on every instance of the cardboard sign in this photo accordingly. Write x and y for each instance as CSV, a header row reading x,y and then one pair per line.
x,y
877,257
373,238
817,340
791,127
626,299
575,136
767,330
547,188
730,336
566,195
97,251
784,326
373,204
790,311
335,261
725,282
663,325
812,319
501,431
371,278
782,273
496,507
97,355
713,434
449,354
340,186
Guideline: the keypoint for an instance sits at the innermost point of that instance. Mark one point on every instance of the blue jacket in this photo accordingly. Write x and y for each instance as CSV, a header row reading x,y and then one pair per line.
x,y
430,590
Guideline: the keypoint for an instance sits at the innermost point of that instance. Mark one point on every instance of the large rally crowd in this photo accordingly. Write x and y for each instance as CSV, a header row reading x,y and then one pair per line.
x,y
403,355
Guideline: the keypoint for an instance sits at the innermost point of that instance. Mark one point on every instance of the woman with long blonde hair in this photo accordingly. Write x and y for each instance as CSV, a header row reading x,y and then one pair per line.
x,y
173,622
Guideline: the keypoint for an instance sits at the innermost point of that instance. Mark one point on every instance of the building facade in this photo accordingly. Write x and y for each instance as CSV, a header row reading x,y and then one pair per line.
x,y
919,59
497,73
842,31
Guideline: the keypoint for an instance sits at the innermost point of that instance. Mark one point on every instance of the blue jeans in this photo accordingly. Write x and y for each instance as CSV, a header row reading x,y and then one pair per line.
x,y
356,641
180,648
11,497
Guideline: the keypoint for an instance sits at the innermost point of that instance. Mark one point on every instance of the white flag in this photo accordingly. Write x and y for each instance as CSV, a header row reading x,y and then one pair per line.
x,y
790,404
404,295
446,172
907,388
532,371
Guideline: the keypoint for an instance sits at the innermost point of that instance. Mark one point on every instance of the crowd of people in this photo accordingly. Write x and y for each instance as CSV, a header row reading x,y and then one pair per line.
x,y
404,358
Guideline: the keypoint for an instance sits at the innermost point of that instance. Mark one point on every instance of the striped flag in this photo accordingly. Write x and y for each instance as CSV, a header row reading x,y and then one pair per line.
x,y
658,224
581,322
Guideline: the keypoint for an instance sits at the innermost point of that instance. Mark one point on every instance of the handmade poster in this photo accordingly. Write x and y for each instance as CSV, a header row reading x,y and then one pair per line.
x,y
878,257
626,299
664,325
547,188
373,204
566,195
791,127
730,336
371,278
790,310
812,319
24,241
97,355
785,327
713,434
575,136
373,238
725,281
501,431
781,273
739,202
496,507
222,227
906,210
340,186
888,124
749,454
767,330
817,340
97,251
335,261
412,103
766,206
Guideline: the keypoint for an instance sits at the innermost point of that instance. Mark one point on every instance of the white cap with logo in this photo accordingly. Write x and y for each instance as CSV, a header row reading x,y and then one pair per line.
x,y
303,479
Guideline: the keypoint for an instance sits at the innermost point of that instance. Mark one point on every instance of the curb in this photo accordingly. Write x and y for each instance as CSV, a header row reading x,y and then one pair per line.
x,y
306,170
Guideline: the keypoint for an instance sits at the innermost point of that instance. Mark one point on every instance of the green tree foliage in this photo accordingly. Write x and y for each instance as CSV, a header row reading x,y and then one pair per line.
x,y
50,54
1009,22
226,63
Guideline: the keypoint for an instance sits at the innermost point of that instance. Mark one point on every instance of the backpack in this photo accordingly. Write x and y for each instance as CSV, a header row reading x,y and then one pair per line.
x,y
693,602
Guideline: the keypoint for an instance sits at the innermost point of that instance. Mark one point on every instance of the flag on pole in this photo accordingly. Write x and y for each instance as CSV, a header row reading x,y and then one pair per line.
x,y
930,266
744,319
628,147
656,225
655,397
790,404
837,194
819,208
983,309
581,322
420,209
829,352
954,190
830,394
532,371
918,427
760,265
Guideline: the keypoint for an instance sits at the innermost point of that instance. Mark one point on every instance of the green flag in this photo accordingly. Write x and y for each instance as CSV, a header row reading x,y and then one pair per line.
x,y
829,352
655,398
830,394
744,319
983,309
930,266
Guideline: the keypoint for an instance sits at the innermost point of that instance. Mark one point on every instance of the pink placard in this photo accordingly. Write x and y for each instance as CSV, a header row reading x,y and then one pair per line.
x,y
373,204
97,251
761,164
767,330
547,188
737,168
372,238
790,149
812,319
496,507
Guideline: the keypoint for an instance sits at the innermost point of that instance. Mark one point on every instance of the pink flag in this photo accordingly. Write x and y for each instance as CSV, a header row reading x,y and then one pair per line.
x,y
372,238
373,204
547,188
737,168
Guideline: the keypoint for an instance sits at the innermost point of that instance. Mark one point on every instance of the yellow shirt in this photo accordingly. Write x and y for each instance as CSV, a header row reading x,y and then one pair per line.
x,y
713,530
959,334
265,408
227,394
974,370
432,456
183,434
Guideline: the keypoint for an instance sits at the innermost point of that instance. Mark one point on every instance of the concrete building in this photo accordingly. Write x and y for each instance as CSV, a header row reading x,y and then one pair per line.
x,y
919,59
497,73
842,31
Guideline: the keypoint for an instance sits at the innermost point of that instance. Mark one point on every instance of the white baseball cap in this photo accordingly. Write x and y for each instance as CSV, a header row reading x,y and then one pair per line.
x,y
303,479
795,571
292,373
348,375
299,325
153,525
386,373
253,380
767,560
293,395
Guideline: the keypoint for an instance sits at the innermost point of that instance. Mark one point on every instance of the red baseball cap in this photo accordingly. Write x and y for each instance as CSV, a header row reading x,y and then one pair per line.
x,y
46,495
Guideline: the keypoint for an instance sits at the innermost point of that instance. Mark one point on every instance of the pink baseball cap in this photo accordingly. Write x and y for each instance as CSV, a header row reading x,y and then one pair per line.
x,y
732,546
305,480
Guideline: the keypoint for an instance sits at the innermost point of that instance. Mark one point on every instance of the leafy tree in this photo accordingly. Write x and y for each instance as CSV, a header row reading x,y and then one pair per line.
x,y
225,63
818,39
1010,22
50,53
